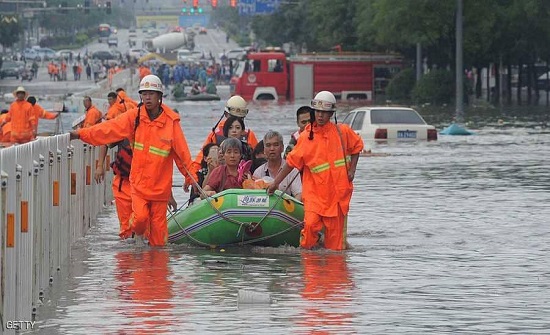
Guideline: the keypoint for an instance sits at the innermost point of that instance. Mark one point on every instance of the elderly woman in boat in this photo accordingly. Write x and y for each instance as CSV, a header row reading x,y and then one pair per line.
x,y
227,176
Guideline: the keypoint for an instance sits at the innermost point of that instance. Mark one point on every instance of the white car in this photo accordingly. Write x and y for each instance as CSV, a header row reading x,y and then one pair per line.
x,y
389,123
137,53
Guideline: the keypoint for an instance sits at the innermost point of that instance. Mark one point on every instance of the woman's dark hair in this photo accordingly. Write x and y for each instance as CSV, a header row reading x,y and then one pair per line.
x,y
230,120
206,149
258,149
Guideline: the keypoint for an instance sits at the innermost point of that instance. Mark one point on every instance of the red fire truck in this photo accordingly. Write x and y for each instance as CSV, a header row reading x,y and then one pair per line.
x,y
272,75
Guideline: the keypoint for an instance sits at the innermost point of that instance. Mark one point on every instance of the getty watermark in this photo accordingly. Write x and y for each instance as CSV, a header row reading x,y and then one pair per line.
x,y
20,325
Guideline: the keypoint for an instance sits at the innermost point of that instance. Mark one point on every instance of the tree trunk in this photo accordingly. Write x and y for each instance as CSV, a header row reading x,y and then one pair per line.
x,y
496,97
529,83
520,83
479,79
509,84
489,83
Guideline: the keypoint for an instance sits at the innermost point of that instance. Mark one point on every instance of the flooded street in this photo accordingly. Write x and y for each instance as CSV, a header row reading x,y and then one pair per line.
x,y
447,236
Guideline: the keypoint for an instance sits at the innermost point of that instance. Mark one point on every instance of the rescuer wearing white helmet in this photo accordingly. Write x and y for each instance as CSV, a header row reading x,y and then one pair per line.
x,y
235,106
157,140
327,154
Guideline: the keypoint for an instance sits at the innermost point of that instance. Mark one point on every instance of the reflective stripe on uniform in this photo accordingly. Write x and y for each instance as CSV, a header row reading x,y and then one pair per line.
x,y
320,168
158,151
138,146
342,162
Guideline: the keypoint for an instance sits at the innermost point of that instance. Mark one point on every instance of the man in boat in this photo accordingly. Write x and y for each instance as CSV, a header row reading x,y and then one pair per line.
x,y
322,153
273,149
303,116
158,141
235,106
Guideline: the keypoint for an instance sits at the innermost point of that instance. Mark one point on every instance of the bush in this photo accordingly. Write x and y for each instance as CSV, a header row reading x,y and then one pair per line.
x,y
400,87
436,87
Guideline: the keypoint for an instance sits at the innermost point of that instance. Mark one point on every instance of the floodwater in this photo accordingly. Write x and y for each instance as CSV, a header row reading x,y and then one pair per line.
x,y
448,236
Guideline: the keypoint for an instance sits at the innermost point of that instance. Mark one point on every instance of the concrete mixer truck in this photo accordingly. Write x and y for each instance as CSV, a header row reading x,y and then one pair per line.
x,y
166,42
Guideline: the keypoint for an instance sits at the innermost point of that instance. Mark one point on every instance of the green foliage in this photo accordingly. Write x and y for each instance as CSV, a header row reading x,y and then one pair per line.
x,y
10,30
400,87
436,87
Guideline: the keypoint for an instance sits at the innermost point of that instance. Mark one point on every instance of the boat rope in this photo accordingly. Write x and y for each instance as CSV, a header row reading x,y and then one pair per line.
x,y
250,226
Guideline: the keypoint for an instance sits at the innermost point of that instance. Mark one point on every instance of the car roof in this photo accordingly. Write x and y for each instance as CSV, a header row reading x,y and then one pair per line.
x,y
369,108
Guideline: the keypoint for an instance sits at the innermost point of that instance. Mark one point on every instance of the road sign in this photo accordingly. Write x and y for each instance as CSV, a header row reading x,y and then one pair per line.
x,y
258,7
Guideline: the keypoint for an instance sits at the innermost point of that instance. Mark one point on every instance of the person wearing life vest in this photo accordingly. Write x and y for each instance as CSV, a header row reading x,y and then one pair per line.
x,y
21,115
39,112
93,115
235,106
158,141
327,153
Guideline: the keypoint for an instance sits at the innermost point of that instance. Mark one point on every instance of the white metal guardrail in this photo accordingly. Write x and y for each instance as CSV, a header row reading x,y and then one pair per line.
x,y
48,200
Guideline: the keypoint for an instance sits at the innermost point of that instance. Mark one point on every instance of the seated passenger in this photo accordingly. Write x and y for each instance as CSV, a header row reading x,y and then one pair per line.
x,y
226,176
209,162
273,149
234,128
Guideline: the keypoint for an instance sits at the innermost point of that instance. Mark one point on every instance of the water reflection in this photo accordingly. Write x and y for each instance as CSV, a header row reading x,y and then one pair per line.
x,y
328,286
143,280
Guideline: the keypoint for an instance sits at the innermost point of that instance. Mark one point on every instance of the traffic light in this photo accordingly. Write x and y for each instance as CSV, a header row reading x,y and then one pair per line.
x,y
200,10
108,7
184,10
192,10
195,4
233,3
214,3
86,6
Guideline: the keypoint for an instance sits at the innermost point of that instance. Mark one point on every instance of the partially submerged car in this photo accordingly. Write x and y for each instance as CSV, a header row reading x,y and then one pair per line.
x,y
389,123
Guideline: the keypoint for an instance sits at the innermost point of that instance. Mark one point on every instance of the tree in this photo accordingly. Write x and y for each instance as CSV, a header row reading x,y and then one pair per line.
x,y
10,30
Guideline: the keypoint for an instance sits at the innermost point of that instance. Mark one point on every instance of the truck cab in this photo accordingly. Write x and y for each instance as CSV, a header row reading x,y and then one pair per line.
x,y
261,76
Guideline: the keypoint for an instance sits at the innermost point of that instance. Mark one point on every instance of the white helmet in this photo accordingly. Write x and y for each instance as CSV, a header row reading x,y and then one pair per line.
x,y
324,101
236,106
150,83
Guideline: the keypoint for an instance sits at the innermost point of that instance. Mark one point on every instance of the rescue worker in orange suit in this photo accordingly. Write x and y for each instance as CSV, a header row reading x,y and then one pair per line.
x,y
40,113
93,115
21,115
121,167
235,106
124,100
5,133
329,286
327,153
158,141
114,108
303,116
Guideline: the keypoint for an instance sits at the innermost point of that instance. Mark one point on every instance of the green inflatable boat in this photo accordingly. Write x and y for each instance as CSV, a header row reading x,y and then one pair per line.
x,y
239,217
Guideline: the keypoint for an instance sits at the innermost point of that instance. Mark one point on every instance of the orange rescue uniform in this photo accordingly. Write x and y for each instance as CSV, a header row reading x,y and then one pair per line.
x,y
127,102
156,145
93,116
23,121
326,189
41,113
122,192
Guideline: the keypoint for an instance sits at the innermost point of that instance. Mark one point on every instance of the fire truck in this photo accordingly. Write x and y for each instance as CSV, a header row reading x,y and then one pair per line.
x,y
271,75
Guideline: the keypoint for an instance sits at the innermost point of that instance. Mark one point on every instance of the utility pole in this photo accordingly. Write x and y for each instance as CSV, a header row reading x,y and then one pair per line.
x,y
459,64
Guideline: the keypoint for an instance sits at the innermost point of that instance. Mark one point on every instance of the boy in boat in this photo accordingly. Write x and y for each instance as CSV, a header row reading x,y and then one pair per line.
x,y
323,154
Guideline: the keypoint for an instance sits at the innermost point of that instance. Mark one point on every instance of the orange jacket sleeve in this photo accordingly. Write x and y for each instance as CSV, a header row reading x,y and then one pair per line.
x,y
110,131
182,156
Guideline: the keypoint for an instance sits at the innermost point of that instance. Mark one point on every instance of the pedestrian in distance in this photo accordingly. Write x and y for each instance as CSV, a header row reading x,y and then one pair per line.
x,y
157,140
327,154
21,116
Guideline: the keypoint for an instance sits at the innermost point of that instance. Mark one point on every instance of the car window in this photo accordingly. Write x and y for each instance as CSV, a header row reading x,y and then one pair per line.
x,y
358,121
348,119
399,116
